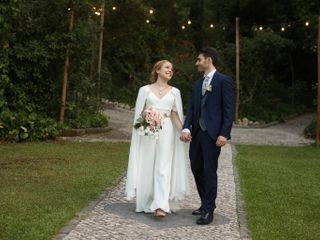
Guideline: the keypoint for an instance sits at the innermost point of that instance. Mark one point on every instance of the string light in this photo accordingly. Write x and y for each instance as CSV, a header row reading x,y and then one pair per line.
x,y
189,22
282,26
69,9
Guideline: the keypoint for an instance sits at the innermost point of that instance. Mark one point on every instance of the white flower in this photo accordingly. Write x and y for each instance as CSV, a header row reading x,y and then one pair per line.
x,y
141,131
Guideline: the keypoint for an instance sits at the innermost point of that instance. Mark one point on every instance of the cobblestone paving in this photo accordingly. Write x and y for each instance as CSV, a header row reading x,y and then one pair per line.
x,y
114,217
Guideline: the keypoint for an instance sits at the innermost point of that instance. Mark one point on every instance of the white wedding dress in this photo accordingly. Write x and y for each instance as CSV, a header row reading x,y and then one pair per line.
x,y
157,168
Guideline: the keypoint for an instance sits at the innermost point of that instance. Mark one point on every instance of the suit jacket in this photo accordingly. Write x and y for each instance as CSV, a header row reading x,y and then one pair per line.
x,y
218,107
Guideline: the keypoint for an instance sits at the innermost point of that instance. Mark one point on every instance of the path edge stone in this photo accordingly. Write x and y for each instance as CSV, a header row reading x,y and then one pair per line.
x,y
242,217
79,216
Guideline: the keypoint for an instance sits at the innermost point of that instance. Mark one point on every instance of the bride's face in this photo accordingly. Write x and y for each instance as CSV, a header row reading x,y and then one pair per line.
x,y
166,71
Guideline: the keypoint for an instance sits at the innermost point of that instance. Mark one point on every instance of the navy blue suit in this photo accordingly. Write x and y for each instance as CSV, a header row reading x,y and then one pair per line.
x,y
217,110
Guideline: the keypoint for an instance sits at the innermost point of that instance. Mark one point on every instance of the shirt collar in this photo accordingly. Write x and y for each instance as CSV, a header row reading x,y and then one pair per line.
x,y
210,74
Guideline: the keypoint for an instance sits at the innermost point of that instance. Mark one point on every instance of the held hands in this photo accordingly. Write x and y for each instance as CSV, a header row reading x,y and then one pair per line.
x,y
185,137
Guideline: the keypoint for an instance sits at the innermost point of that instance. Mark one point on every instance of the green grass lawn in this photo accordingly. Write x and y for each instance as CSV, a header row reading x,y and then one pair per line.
x,y
43,185
281,189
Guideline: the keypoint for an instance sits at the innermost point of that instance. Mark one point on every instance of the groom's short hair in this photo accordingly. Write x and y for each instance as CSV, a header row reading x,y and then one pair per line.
x,y
210,52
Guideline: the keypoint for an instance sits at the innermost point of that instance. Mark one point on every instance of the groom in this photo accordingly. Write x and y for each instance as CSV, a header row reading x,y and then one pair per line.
x,y
208,125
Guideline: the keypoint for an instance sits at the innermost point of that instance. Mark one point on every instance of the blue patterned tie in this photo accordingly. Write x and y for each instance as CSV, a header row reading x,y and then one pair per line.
x,y
205,85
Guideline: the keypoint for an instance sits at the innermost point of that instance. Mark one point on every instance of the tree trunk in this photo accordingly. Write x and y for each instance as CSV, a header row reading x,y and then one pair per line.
x,y
237,70
318,95
66,69
100,54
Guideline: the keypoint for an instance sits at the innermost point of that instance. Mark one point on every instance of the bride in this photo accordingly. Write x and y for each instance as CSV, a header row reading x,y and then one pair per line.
x,y
157,168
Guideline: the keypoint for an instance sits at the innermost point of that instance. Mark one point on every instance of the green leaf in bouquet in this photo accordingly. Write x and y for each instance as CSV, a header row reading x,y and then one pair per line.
x,y
140,119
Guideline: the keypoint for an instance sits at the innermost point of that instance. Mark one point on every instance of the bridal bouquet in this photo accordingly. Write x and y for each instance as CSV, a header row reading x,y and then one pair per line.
x,y
149,123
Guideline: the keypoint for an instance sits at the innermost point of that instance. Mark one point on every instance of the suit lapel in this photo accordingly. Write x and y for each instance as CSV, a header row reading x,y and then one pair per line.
x,y
199,93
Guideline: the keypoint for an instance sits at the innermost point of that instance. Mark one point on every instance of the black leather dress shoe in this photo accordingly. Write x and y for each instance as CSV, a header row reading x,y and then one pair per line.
x,y
206,218
197,212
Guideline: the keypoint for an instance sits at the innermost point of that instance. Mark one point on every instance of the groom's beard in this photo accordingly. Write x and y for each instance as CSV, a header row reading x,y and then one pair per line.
x,y
200,70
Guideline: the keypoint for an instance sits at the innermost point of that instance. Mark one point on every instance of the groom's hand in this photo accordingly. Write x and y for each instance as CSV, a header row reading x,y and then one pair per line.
x,y
221,141
185,137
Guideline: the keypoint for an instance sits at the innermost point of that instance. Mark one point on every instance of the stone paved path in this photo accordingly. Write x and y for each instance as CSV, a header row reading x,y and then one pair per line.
x,y
114,217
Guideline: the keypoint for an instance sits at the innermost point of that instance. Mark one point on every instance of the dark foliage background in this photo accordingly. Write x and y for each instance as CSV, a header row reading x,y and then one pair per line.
x,y
278,69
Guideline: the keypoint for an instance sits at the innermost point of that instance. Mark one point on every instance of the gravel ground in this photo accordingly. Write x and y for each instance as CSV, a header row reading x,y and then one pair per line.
x,y
289,133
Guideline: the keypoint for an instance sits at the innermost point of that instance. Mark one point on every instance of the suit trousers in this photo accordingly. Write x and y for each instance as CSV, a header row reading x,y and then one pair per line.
x,y
204,156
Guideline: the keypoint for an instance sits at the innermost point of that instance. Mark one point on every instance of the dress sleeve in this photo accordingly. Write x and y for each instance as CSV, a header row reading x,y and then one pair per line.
x,y
180,179
174,107
177,102
140,103
134,152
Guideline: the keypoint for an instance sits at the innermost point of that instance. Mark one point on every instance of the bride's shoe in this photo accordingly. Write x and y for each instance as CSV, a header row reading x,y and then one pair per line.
x,y
159,213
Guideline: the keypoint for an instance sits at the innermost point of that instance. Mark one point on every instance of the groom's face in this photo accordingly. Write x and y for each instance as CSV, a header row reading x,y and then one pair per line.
x,y
202,63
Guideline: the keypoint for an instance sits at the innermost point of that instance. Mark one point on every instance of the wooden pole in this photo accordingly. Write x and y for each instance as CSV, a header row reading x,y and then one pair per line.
x,y
318,95
93,59
100,53
237,70
66,69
